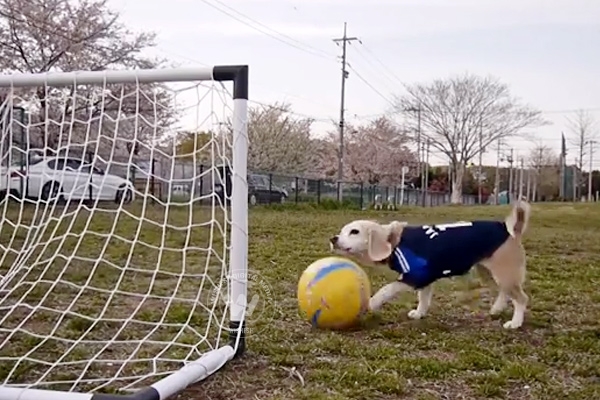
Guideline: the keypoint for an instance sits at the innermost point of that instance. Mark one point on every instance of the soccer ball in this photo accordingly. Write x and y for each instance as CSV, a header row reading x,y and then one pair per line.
x,y
333,293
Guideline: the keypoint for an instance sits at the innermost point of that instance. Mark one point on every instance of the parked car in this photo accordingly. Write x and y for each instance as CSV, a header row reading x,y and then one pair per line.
x,y
259,189
63,178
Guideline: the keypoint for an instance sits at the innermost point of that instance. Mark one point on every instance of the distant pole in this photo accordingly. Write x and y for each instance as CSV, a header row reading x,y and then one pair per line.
x,y
479,193
344,40
450,164
419,148
404,171
426,171
590,197
521,170
528,185
497,178
421,166
510,175
575,182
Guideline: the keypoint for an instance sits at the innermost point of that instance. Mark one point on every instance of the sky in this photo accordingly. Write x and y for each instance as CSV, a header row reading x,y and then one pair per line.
x,y
545,50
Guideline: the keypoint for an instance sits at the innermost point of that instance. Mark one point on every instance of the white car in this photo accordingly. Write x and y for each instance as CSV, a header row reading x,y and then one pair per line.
x,y
63,178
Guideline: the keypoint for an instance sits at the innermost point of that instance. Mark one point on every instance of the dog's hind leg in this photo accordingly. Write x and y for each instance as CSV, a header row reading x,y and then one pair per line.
x,y
519,300
501,301
499,304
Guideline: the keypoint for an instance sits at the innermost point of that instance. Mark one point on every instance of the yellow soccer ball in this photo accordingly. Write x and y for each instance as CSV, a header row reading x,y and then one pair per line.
x,y
333,293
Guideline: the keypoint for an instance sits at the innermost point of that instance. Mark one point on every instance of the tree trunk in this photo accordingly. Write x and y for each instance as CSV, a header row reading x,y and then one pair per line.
x,y
457,181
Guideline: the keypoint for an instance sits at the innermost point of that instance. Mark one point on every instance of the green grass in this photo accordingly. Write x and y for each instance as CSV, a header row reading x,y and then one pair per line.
x,y
457,352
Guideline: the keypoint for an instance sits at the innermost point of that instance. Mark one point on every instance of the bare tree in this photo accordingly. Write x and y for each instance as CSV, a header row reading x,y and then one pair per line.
x,y
544,161
582,129
59,35
462,115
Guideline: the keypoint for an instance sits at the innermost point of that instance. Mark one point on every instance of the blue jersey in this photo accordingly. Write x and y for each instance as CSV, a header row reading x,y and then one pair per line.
x,y
430,252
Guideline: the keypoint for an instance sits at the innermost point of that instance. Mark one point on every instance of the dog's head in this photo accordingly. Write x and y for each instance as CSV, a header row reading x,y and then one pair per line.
x,y
369,241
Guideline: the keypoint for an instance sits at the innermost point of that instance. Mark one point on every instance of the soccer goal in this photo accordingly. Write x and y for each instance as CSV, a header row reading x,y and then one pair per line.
x,y
123,231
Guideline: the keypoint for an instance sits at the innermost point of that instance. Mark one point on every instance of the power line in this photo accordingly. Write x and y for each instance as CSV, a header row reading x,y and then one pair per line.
x,y
267,31
366,82
383,65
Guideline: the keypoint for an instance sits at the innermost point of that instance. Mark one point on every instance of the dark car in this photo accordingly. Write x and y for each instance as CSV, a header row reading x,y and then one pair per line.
x,y
260,190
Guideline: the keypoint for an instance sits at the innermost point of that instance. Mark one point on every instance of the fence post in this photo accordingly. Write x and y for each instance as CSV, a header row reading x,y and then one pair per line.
x,y
296,188
201,188
361,195
153,180
339,186
318,191
270,187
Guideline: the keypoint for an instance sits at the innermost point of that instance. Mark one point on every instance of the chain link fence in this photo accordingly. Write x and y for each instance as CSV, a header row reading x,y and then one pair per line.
x,y
168,179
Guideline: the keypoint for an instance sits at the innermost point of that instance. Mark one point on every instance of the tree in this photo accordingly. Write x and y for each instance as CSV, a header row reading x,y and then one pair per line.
x,y
279,142
545,162
195,146
583,129
56,35
462,115
374,153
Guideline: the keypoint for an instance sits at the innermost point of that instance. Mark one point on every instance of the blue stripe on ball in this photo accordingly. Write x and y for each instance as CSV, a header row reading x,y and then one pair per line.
x,y
323,272
315,318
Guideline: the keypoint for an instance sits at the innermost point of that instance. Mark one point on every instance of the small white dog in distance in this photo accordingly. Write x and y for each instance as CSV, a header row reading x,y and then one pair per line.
x,y
425,254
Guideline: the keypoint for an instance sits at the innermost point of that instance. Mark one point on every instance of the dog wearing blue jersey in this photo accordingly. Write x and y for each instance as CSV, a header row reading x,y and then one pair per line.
x,y
422,255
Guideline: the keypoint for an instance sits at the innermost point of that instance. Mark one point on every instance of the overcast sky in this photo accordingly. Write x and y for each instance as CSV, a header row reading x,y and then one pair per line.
x,y
546,50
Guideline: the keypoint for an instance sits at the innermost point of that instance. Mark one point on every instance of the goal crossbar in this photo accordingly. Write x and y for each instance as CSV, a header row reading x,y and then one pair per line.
x,y
211,361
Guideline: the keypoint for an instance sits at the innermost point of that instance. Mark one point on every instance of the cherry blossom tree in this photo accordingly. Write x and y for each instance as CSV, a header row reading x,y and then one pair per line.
x,y
374,153
57,35
461,116
279,141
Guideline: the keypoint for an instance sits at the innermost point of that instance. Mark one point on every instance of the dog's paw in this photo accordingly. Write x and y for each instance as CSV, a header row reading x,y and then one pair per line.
x,y
415,314
511,325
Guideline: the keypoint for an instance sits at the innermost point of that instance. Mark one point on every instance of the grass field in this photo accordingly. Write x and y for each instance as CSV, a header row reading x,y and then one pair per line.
x,y
457,352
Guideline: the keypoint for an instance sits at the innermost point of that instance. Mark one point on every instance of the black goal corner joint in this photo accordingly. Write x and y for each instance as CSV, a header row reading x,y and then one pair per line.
x,y
237,337
238,74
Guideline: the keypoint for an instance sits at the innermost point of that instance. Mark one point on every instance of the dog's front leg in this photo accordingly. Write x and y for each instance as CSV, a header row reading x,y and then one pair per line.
x,y
387,294
425,295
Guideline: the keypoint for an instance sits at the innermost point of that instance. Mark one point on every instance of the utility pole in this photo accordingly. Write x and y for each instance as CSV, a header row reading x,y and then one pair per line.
x,y
538,175
479,194
344,40
510,176
575,180
419,148
520,192
528,185
590,197
497,178
426,171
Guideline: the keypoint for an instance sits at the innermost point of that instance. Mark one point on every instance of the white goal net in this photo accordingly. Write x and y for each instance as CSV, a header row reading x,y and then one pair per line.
x,y
123,231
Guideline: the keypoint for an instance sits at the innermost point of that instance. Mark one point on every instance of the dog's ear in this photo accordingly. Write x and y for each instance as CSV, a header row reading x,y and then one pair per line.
x,y
383,239
395,229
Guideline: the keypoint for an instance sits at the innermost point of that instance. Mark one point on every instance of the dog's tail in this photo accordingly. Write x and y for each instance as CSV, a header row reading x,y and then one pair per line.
x,y
518,219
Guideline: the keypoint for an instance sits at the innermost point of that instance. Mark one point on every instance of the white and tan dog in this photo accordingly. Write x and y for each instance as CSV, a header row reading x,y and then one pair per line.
x,y
425,254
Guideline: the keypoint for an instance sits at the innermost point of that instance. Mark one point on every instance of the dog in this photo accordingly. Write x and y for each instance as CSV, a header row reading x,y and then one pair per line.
x,y
424,254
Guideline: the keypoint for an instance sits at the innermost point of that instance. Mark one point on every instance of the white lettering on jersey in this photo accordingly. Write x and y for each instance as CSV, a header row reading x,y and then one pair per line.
x,y
434,230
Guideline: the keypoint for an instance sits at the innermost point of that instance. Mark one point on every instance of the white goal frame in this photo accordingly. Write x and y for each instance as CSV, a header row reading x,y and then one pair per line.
x,y
213,360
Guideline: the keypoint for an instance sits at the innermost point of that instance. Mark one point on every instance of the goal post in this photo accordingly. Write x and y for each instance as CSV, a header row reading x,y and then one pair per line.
x,y
71,327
